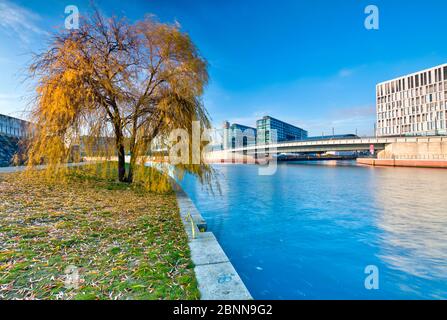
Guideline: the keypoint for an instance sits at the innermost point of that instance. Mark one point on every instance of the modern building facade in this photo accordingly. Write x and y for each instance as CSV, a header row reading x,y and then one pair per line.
x,y
413,105
13,127
270,130
237,135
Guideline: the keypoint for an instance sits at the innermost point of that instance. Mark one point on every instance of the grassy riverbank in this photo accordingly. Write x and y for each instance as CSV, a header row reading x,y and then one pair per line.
x,y
124,243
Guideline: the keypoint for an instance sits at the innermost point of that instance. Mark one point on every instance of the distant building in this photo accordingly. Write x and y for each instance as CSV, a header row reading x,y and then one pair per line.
x,y
13,127
12,131
238,136
414,104
273,130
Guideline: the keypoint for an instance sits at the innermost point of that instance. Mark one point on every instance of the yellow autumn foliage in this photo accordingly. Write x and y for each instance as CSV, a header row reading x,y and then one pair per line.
x,y
112,88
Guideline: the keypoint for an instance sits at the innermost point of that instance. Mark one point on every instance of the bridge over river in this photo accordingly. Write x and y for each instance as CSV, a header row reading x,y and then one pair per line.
x,y
350,144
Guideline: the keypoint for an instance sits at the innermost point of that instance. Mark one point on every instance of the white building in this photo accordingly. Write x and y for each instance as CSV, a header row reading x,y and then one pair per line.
x,y
413,105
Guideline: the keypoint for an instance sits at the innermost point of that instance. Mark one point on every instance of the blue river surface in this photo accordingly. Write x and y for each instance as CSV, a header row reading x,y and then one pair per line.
x,y
310,230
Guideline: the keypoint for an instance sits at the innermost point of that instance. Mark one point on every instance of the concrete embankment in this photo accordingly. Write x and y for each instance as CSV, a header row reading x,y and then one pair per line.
x,y
414,163
216,276
430,152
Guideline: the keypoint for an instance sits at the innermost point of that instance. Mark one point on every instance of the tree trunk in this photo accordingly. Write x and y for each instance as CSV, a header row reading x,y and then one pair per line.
x,y
121,163
133,149
131,168
133,157
119,142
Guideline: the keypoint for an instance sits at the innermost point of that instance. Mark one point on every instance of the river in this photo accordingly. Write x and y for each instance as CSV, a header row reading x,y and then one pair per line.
x,y
310,230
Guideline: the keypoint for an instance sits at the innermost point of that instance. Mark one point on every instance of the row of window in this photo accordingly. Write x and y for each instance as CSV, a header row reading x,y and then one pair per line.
x,y
407,112
13,127
414,81
414,102
436,89
411,108
415,128
12,131
420,118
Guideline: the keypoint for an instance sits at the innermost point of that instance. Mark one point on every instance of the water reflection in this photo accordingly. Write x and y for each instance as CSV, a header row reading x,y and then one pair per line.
x,y
413,218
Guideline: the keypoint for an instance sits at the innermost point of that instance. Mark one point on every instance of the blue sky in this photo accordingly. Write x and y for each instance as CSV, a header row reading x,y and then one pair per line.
x,y
311,63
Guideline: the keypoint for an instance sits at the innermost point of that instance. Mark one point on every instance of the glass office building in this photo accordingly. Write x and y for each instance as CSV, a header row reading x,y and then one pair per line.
x,y
270,130
237,136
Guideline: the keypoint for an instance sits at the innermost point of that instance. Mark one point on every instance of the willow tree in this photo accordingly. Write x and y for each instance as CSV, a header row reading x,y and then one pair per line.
x,y
115,80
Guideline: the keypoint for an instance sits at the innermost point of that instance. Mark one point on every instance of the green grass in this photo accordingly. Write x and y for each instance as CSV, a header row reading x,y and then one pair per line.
x,y
125,242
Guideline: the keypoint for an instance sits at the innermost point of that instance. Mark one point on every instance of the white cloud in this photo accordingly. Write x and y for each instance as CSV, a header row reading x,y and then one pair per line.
x,y
345,73
18,21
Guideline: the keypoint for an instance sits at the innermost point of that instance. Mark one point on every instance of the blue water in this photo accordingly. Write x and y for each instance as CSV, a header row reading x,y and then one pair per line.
x,y
310,230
